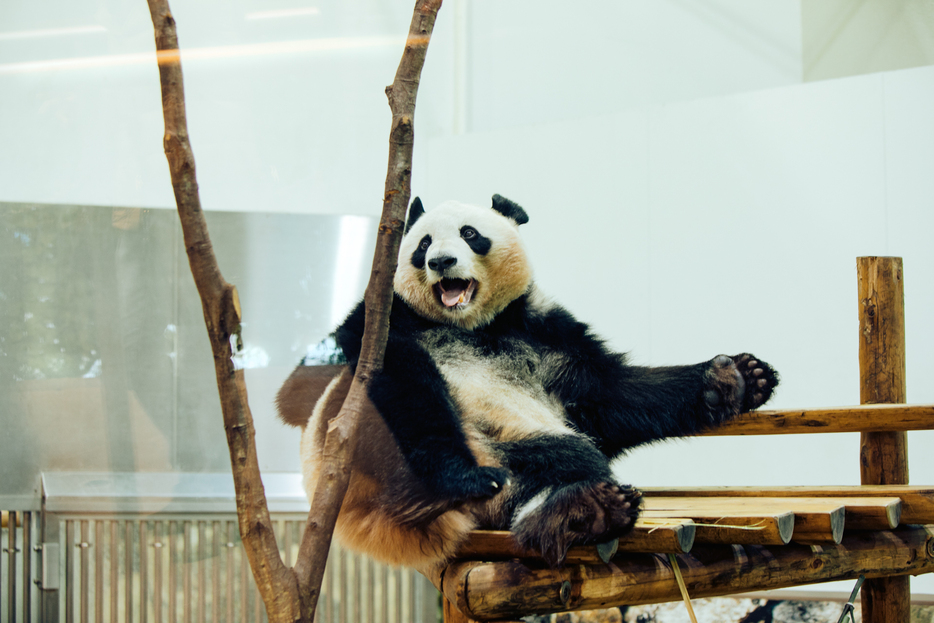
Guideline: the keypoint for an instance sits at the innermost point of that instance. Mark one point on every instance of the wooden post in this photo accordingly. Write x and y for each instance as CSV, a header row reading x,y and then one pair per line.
x,y
883,455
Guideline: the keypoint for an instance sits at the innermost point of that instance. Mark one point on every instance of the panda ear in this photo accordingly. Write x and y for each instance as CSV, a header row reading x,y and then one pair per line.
x,y
510,209
415,212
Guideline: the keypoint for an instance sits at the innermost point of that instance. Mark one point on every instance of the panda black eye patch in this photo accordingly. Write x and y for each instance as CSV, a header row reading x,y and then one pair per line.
x,y
478,243
418,257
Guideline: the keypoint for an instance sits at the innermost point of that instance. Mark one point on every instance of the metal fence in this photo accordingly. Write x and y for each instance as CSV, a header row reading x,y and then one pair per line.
x,y
17,594
179,568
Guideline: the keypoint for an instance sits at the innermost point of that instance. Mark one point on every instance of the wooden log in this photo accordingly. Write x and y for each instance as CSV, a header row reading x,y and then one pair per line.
x,y
511,589
917,501
869,513
864,418
883,455
665,536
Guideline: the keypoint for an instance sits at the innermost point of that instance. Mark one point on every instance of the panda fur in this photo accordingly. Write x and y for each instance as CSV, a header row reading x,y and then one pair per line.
x,y
495,407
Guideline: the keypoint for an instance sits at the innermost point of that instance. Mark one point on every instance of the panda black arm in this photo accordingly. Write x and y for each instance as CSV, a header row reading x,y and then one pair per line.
x,y
622,406
412,397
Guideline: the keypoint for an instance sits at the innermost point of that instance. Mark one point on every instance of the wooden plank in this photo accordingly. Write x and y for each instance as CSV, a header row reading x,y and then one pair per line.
x,y
815,521
863,418
752,528
883,456
917,505
511,589
868,513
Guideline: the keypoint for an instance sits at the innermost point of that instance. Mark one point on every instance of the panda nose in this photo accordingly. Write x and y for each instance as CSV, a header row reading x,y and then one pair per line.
x,y
441,264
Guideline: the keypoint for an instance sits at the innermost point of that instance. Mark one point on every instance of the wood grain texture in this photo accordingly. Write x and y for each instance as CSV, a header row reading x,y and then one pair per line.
x,y
917,501
855,419
649,535
869,513
883,456
511,589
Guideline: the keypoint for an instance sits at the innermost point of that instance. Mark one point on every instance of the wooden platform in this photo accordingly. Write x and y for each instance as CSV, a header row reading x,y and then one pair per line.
x,y
729,540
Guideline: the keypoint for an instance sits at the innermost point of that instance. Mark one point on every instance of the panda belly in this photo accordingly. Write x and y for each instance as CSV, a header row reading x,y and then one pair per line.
x,y
502,396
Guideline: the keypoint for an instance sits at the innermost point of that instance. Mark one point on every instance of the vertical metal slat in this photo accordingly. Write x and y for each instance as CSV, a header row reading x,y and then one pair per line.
x,y
157,549
85,579
230,570
27,566
128,570
215,571
143,571
244,586
202,589
11,566
186,578
98,571
173,565
114,572
69,571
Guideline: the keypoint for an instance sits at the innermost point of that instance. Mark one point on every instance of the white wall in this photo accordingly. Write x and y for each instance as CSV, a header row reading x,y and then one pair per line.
x,y
732,224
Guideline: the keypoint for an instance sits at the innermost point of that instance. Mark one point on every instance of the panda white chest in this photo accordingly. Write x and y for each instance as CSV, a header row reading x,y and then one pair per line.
x,y
498,390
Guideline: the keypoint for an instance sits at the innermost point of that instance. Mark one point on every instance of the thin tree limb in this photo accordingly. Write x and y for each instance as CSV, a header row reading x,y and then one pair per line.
x,y
289,595
341,437
221,307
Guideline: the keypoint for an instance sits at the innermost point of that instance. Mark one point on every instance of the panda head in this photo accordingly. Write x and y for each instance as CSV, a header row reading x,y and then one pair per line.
x,y
461,264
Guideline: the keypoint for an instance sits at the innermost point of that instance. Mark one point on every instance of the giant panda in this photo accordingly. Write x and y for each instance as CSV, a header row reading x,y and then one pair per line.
x,y
495,407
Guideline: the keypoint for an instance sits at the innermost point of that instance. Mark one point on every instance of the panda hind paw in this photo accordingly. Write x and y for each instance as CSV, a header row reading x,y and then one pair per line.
x,y
760,380
737,384
578,514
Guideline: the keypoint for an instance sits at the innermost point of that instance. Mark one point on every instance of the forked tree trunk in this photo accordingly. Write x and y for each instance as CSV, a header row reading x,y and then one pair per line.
x,y
289,594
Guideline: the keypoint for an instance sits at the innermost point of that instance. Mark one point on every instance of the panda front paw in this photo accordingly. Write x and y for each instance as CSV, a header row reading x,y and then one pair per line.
x,y
737,384
476,483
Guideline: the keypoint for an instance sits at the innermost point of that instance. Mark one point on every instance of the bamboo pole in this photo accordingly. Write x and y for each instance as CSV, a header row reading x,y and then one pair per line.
x,y
883,455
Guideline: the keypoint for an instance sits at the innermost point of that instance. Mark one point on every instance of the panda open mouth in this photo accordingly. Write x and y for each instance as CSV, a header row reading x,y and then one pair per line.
x,y
455,293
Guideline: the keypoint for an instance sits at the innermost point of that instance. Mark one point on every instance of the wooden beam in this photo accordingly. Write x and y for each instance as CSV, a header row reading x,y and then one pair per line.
x,y
917,505
857,419
883,456
512,589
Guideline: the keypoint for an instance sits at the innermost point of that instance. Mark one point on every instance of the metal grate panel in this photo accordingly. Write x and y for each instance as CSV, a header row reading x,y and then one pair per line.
x,y
193,568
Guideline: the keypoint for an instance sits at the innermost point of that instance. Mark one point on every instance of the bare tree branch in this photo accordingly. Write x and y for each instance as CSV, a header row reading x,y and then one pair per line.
x,y
221,307
289,595
341,437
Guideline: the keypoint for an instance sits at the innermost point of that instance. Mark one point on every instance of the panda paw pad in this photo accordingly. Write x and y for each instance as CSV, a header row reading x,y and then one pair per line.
x,y
736,384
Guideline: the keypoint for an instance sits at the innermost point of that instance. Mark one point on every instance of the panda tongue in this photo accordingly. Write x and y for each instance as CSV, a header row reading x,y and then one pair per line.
x,y
454,291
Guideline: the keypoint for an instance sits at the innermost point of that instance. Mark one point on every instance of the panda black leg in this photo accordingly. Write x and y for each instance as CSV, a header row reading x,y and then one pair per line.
x,y
575,514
